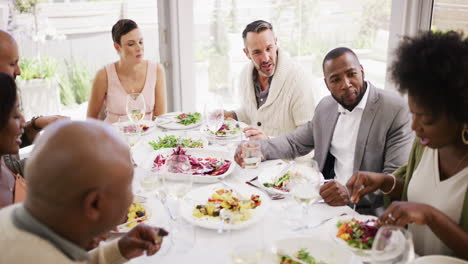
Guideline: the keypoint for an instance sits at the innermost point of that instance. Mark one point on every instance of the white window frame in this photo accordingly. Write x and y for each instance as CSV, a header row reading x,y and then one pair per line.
x,y
408,17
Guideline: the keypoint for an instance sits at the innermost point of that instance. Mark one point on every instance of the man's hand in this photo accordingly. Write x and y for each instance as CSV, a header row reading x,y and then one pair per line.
x,y
230,115
364,182
403,213
240,154
43,121
140,239
254,133
334,194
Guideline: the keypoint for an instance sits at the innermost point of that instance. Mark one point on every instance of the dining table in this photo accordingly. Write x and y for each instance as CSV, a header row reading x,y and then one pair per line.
x,y
190,243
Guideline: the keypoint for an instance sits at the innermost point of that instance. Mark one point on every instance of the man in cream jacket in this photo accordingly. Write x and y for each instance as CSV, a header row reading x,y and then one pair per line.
x,y
275,91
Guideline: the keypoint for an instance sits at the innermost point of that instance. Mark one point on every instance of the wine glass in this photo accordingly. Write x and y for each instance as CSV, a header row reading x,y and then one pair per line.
x,y
214,117
252,154
392,245
136,107
304,188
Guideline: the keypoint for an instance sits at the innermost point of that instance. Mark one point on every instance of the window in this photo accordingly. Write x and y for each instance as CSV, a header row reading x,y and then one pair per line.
x,y
450,15
306,29
71,40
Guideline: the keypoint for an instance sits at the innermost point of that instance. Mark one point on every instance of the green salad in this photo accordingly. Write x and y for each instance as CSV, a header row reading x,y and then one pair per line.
x,y
302,255
188,118
175,141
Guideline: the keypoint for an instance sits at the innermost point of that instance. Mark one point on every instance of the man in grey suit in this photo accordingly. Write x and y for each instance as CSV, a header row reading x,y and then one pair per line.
x,y
358,127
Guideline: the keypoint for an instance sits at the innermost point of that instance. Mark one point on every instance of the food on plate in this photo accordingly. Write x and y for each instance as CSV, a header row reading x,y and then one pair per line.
x,y
303,255
358,234
188,118
136,214
175,141
227,129
240,210
132,129
281,183
199,166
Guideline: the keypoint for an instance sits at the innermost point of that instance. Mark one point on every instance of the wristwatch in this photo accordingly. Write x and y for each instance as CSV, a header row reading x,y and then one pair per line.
x,y
33,123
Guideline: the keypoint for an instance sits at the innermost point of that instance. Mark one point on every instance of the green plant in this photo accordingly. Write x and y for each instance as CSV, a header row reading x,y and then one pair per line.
x,y
37,68
80,81
25,6
66,94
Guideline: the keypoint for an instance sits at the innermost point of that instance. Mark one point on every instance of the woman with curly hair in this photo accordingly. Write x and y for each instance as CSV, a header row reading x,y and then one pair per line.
x,y
12,187
432,69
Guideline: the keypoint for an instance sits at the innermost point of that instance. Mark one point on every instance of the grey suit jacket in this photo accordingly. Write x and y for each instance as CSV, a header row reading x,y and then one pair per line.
x,y
383,141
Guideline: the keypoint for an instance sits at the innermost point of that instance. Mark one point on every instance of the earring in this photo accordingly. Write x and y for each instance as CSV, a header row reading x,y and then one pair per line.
x,y
465,134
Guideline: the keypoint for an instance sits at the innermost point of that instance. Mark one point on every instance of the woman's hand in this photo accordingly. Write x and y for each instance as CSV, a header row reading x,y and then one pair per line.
x,y
403,213
364,182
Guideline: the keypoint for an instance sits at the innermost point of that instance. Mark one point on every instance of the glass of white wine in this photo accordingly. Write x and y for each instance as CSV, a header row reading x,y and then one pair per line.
x,y
136,107
304,188
214,118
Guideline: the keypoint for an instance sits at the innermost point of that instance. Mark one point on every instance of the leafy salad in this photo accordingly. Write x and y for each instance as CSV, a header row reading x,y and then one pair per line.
x,y
228,200
281,183
188,118
302,255
199,166
227,129
358,234
172,141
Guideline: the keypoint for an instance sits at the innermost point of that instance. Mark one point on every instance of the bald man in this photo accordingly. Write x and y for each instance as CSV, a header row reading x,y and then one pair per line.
x,y
9,58
79,180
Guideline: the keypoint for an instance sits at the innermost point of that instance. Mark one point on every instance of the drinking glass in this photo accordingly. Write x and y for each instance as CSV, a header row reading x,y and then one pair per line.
x,y
252,154
248,246
135,107
393,245
304,188
149,180
214,117
178,164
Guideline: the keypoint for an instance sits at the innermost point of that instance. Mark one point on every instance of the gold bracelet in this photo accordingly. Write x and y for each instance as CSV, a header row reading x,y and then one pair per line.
x,y
394,184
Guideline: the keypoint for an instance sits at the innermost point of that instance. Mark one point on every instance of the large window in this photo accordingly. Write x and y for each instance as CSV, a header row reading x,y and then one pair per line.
x,y
450,15
63,43
306,29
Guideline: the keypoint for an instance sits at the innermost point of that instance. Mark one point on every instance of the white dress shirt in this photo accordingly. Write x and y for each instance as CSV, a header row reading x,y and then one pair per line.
x,y
343,144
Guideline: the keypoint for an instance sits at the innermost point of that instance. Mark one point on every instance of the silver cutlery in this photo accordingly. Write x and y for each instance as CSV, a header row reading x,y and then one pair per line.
x,y
272,196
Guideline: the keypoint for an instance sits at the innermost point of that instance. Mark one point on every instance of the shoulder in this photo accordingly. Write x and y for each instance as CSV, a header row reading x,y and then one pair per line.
x,y
101,74
159,68
389,102
326,103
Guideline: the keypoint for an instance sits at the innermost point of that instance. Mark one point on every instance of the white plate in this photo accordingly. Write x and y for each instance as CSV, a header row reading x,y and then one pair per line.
x,y
169,121
333,230
206,132
325,251
149,123
201,195
437,259
125,229
196,153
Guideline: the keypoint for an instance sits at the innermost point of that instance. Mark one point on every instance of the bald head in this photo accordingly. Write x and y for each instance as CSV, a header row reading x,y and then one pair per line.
x,y
72,158
9,55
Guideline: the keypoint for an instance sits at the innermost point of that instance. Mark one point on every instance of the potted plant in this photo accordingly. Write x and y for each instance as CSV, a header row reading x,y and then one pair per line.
x,y
38,86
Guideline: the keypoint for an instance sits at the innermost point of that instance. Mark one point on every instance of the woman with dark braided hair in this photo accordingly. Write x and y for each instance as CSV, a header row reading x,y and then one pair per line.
x,y
12,187
432,188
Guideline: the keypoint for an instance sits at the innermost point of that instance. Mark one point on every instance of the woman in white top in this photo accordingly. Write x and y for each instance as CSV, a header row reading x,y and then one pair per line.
x,y
131,74
433,69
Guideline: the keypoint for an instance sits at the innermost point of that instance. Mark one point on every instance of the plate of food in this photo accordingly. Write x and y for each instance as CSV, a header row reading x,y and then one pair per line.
x,y
309,251
173,141
144,126
230,129
207,165
239,206
137,213
356,233
179,120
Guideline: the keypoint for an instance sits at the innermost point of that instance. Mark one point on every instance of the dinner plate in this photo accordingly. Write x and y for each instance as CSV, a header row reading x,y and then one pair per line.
x,y
195,153
124,229
270,174
233,123
437,259
201,195
128,125
321,250
169,121
365,254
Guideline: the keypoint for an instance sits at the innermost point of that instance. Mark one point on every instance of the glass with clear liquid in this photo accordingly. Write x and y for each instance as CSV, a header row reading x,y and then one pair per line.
x,y
252,154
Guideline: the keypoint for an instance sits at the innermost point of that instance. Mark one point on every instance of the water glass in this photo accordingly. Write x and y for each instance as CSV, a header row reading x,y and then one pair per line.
x,y
214,117
179,164
135,107
393,245
149,181
305,189
252,154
